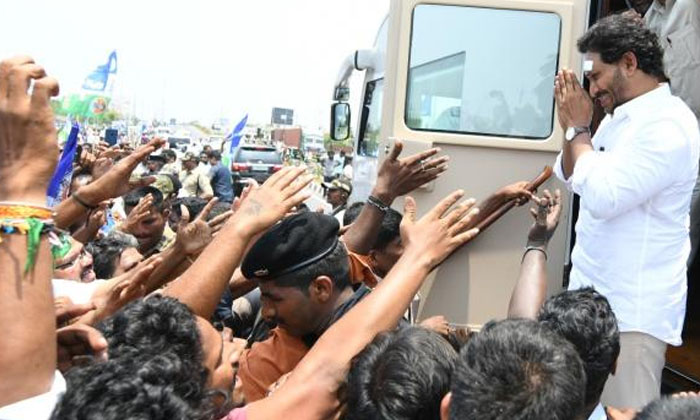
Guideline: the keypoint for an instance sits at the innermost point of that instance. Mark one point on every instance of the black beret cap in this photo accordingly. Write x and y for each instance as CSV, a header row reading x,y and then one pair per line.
x,y
292,244
156,158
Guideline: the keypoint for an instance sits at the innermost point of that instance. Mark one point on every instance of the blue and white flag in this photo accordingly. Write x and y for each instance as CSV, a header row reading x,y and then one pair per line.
x,y
60,182
236,134
97,80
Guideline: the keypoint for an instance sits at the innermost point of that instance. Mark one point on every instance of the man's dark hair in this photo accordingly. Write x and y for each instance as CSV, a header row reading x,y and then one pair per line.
x,y
194,205
388,231
517,369
352,212
401,374
150,326
155,367
613,36
161,387
584,317
334,265
133,197
683,408
169,154
106,252
215,154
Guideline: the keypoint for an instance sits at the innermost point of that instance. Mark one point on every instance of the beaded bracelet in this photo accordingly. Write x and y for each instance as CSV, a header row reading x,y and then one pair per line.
x,y
20,210
33,228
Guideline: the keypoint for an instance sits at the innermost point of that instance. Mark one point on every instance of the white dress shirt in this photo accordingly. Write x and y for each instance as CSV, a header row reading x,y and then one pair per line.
x,y
680,38
657,15
632,232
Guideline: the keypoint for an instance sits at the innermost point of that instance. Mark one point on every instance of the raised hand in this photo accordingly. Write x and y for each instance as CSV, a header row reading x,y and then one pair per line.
x,y
252,184
193,237
98,218
121,290
116,182
102,166
77,342
266,205
401,176
440,232
517,191
438,324
574,105
140,212
546,218
28,146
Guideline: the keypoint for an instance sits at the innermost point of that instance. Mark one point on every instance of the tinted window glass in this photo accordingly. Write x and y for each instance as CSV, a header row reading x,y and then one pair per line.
x,y
251,155
371,118
482,70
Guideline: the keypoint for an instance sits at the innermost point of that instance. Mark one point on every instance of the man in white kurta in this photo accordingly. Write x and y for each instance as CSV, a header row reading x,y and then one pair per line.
x,y
635,178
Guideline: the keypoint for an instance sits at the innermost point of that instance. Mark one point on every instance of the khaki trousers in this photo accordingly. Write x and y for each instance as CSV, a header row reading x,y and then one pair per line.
x,y
637,379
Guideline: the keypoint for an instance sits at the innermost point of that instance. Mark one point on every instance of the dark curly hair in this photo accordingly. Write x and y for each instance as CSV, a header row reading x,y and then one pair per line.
x,y
148,327
613,36
585,318
401,374
667,408
107,251
155,368
160,387
517,369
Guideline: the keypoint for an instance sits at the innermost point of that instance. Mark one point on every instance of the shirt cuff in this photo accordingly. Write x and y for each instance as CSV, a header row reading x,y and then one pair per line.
x,y
38,407
559,172
583,167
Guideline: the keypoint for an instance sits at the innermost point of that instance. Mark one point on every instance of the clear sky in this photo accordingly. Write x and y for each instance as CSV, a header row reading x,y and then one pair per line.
x,y
199,60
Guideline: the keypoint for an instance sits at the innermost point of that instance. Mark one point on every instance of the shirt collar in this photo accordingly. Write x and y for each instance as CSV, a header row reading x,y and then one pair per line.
x,y
643,104
598,413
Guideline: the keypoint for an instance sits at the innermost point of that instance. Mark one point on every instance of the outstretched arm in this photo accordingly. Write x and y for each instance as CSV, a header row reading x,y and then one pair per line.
x,y
310,392
28,156
396,177
112,184
531,289
202,285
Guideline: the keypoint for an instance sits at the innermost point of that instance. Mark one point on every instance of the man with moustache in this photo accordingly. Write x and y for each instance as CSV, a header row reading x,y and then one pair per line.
x,y
635,178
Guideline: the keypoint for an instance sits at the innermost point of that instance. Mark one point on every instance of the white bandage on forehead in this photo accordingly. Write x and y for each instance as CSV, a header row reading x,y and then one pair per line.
x,y
587,65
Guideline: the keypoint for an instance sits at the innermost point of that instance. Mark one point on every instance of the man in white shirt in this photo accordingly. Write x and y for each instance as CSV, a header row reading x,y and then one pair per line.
x,y
635,179
657,15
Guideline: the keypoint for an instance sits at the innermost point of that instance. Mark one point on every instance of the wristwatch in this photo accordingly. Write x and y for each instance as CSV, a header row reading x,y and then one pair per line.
x,y
572,132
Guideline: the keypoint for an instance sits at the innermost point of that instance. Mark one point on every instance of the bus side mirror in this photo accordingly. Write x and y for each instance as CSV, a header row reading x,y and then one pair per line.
x,y
340,121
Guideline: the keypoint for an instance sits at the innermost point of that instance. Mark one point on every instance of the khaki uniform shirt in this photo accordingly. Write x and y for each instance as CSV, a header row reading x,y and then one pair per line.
x,y
195,183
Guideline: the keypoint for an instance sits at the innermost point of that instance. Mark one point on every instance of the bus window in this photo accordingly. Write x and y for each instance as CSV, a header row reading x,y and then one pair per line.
x,y
371,119
482,71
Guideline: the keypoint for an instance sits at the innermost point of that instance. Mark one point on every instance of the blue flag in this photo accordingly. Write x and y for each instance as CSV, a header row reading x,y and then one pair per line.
x,y
236,134
60,182
97,80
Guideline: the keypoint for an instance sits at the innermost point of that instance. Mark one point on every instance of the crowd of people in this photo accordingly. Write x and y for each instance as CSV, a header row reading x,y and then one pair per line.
x,y
150,292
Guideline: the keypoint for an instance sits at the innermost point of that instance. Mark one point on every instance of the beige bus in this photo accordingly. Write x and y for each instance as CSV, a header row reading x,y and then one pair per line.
x,y
475,78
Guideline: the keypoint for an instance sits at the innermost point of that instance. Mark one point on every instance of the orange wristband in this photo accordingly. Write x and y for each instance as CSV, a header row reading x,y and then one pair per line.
x,y
11,210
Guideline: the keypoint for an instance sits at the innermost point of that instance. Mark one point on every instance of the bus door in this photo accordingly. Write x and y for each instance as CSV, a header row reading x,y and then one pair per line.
x,y
476,78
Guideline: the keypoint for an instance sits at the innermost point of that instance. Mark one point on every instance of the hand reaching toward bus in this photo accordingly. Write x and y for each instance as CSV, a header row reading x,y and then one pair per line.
x,y
517,191
398,177
440,232
546,218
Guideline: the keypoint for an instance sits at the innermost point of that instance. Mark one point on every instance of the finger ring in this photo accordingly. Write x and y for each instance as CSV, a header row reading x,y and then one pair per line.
x,y
422,166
